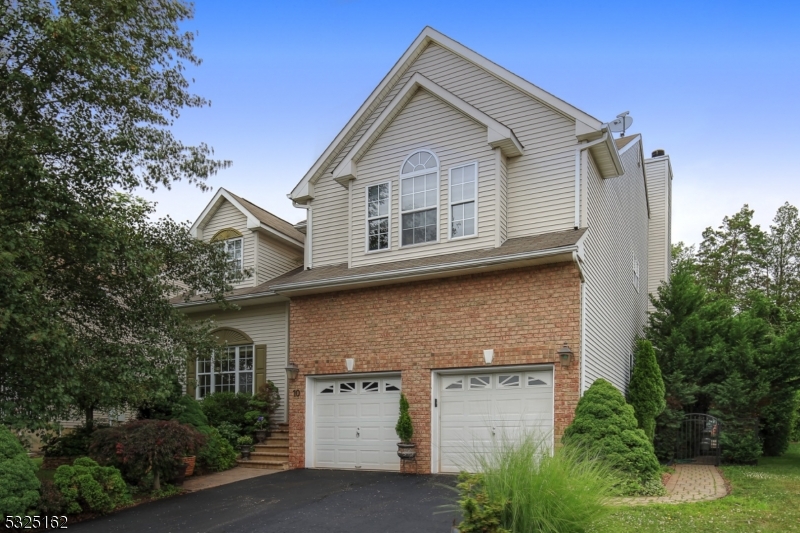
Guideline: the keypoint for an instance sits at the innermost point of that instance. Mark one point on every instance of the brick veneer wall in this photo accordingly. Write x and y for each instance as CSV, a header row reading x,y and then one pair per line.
x,y
525,315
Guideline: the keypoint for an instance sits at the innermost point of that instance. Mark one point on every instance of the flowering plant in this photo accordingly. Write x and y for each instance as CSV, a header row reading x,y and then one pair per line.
x,y
260,423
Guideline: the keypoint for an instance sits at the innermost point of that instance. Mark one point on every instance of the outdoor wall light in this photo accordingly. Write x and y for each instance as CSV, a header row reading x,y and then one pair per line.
x,y
488,356
565,354
292,371
349,363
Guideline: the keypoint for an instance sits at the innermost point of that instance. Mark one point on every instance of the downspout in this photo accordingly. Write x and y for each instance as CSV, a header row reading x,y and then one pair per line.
x,y
307,259
578,150
581,387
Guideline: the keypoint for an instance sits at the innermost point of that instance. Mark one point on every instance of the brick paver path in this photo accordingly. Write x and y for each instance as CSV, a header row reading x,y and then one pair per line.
x,y
195,483
689,483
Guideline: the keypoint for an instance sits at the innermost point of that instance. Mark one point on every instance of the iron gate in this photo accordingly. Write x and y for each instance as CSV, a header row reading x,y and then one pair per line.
x,y
698,440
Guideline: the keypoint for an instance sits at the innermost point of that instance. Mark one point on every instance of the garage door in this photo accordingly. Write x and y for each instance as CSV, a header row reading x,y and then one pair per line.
x,y
354,422
478,410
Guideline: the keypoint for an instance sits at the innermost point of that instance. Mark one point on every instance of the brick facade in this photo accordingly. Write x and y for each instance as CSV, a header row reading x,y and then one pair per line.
x,y
525,315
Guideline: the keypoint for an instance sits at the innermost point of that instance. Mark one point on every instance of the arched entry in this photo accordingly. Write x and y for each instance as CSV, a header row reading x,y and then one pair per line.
x,y
699,440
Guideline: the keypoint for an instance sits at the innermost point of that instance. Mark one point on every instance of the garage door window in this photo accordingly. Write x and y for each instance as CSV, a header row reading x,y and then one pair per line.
x,y
508,381
480,382
538,379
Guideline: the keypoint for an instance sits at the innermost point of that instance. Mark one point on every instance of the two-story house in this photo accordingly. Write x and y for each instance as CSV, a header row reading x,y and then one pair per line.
x,y
471,241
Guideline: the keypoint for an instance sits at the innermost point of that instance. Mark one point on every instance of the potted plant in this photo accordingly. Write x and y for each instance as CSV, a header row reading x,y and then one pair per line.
x,y
406,449
189,461
262,429
244,446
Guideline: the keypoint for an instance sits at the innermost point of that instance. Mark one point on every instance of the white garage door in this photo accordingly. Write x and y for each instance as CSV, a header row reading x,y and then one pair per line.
x,y
478,410
354,422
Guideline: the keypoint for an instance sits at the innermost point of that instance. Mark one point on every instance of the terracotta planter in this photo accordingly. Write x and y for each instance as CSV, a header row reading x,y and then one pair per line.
x,y
406,450
262,435
189,462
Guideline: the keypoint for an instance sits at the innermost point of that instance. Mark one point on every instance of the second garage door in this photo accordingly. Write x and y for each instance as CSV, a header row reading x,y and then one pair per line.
x,y
478,410
354,422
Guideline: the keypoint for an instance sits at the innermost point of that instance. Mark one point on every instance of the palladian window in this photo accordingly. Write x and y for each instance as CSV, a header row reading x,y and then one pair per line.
x,y
419,199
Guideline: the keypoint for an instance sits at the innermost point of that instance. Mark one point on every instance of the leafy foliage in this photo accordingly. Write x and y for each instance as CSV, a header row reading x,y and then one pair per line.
x,y
191,412
404,427
73,444
525,487
145,446
19,486
605,426
229,432
86,486
263,405
51,501
217,454
227,407
646,388
90,89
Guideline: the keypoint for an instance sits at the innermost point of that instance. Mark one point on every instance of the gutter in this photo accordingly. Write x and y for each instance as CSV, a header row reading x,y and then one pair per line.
x,y
420,271
578,150
265,294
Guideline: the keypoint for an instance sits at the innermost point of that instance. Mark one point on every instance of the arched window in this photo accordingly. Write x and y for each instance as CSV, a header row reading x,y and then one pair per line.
x,y
419,199
233,242
230,368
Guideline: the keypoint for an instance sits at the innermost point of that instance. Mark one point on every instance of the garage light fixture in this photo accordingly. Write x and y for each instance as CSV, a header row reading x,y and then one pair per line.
x,y
292,371
488,356
349,363
565,354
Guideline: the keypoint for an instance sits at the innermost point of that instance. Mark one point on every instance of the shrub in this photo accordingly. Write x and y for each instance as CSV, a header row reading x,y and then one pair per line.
x,y
605,425
19,486
166,404
245,440
404,428
51,501
263,404
226,407
86,486
523,487
144,446
73,444
646,389
217,454
229,432
795,436
190,412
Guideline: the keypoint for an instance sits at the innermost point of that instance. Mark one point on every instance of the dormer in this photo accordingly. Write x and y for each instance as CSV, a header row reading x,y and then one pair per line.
x,y
253,237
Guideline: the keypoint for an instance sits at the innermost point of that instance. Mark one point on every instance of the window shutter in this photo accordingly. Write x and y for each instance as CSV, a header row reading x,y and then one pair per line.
x,y
191,376
261,366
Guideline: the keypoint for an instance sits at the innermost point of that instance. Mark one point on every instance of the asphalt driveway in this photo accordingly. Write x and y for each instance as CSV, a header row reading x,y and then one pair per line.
x,y
296,500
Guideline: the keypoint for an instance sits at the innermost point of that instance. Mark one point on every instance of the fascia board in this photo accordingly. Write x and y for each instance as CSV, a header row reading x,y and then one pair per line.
x,y
497,133
418,272
636,138
427,36
243,300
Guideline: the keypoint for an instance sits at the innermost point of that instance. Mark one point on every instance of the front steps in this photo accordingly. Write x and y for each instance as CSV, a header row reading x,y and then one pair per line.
x,y
273,454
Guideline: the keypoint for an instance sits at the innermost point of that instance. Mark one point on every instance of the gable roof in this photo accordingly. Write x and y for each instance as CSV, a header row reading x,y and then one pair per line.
x,y
257,218
497,134
623,141
303,191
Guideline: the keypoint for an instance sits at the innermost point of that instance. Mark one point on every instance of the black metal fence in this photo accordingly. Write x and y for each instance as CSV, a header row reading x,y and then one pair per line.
x,y
699,440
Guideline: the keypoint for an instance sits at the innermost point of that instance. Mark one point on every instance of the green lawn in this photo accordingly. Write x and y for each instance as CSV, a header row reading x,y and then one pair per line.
x,y
765,499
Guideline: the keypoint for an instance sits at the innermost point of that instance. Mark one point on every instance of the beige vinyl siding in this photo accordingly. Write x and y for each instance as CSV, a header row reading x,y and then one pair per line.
x,y
425,123
265,324
228,216
275,258
614,312
502,197
658,188
540,183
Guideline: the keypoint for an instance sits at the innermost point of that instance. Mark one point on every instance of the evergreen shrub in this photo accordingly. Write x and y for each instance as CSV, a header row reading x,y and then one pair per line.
x,y
605,426
19,486
189,411
227,407
646,388
217,454
404,427
87,486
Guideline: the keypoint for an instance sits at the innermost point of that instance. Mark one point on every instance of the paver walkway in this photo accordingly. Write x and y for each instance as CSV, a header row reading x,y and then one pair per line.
x,y
689,483
239,473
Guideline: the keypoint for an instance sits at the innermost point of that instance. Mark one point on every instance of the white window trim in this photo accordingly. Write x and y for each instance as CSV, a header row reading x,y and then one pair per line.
x,y
450,203
367,218
400,198
213,374
227,242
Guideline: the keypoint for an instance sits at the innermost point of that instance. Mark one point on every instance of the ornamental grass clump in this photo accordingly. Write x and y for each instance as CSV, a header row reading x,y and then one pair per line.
x,y
523,487
605,426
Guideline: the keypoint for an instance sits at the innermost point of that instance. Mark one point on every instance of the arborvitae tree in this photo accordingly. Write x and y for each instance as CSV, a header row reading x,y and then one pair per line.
x,y
646,388
404,427
605,425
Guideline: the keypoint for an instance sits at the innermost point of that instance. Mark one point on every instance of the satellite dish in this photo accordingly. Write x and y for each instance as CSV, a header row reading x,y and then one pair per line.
x,y
621,123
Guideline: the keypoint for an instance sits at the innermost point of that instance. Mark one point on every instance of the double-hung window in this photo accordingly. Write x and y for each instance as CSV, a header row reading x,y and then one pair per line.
x,y
233,247
419,199
229,369
378,202
463,192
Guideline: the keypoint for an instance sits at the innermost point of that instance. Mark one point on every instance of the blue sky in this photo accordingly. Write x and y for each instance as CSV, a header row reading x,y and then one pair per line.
x,y
716,84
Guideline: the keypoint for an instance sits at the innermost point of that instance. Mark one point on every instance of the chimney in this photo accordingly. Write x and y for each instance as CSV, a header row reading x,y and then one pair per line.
x,y
659,153
658,173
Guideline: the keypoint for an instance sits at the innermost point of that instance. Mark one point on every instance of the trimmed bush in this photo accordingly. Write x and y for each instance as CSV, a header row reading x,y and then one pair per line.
x,y
19,486
229,432
523,487
605,426
646,389
144,446
227,407
73,444
51,501
263,404
190,412
404,428
218,453
87,486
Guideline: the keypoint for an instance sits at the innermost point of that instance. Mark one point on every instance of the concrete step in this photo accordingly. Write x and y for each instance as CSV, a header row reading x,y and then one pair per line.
x,y
272,445
267,464
270,456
